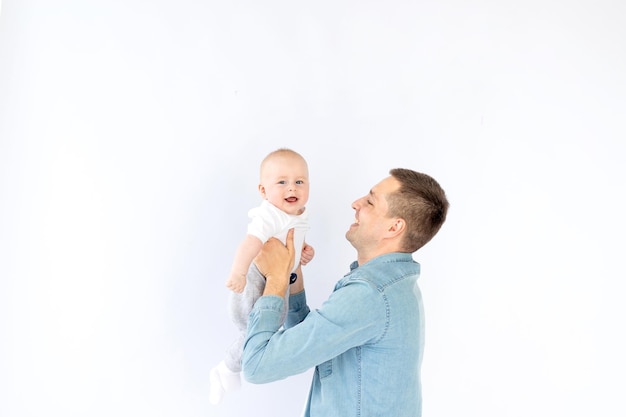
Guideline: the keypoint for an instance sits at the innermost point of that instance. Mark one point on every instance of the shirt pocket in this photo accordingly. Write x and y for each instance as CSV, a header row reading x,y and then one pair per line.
x,y
325,369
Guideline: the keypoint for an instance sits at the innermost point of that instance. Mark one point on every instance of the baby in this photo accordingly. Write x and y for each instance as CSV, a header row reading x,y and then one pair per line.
x,y
284,187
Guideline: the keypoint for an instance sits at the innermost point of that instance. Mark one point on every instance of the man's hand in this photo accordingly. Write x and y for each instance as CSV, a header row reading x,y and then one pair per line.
x,y
275,262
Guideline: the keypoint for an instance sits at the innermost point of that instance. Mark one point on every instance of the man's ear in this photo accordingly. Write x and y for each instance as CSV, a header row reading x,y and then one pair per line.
x,y
397,226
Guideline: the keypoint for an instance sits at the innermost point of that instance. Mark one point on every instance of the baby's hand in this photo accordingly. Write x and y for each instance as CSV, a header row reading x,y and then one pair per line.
x,y
236,282
307,254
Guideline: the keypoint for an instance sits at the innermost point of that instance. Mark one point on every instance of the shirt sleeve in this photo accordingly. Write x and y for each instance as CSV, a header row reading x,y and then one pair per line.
x,y
353,315
262,224
298,309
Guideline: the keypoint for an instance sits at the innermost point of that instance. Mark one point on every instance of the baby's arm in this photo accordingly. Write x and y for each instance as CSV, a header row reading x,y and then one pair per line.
x,y
307,254
246,252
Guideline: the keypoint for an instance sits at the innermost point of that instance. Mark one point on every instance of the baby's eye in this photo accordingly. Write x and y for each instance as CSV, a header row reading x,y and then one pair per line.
x,y
369,202
281,182
299,182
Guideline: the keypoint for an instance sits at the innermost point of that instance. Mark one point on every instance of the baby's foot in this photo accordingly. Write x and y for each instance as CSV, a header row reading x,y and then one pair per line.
x,y
222,381
236,284
216,390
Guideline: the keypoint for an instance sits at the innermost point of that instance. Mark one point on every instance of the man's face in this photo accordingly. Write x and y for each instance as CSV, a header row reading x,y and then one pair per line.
x,y
371,221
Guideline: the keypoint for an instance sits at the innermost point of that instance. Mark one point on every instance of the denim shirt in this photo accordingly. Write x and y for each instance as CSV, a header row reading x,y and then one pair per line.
x,y
366,342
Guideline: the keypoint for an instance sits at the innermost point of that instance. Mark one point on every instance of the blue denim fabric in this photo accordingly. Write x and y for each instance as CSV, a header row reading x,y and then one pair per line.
x,y
366,342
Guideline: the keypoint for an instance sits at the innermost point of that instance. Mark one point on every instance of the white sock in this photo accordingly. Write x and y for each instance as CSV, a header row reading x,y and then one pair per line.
x,y
222,380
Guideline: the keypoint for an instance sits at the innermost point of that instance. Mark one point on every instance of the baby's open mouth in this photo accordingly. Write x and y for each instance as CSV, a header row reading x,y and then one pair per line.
x,y
291,199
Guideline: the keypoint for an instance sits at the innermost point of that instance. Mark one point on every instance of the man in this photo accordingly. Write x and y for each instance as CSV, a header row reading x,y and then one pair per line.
x,y
366,341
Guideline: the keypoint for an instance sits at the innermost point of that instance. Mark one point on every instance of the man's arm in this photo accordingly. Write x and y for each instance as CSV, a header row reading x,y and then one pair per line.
x,y
298,308
275,262
352,315
298,285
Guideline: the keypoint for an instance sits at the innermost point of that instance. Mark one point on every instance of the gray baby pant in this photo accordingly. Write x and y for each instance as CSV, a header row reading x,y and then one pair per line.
x,y
240,307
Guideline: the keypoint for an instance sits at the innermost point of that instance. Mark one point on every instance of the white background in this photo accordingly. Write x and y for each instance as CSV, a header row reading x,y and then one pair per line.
x,y
130,137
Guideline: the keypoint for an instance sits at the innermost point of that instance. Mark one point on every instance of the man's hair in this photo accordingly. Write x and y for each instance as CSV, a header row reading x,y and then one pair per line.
x,y
421,202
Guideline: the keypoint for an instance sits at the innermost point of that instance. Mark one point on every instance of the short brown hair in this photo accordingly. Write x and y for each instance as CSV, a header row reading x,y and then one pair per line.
x,y
421,202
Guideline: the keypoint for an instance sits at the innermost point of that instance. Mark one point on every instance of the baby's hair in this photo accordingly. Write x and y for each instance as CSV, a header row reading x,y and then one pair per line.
x,y
280,152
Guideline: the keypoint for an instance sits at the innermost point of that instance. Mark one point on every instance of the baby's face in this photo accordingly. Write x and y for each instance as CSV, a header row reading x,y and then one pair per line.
x,y
285,183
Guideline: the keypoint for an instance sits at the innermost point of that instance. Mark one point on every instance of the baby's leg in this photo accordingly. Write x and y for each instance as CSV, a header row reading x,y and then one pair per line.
x,y
240,307
226,376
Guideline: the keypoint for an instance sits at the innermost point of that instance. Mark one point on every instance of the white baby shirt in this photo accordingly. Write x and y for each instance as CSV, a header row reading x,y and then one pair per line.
x,y
268,221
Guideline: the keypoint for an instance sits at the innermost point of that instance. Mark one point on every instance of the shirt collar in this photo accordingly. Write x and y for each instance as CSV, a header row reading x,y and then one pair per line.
x,y
388,257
